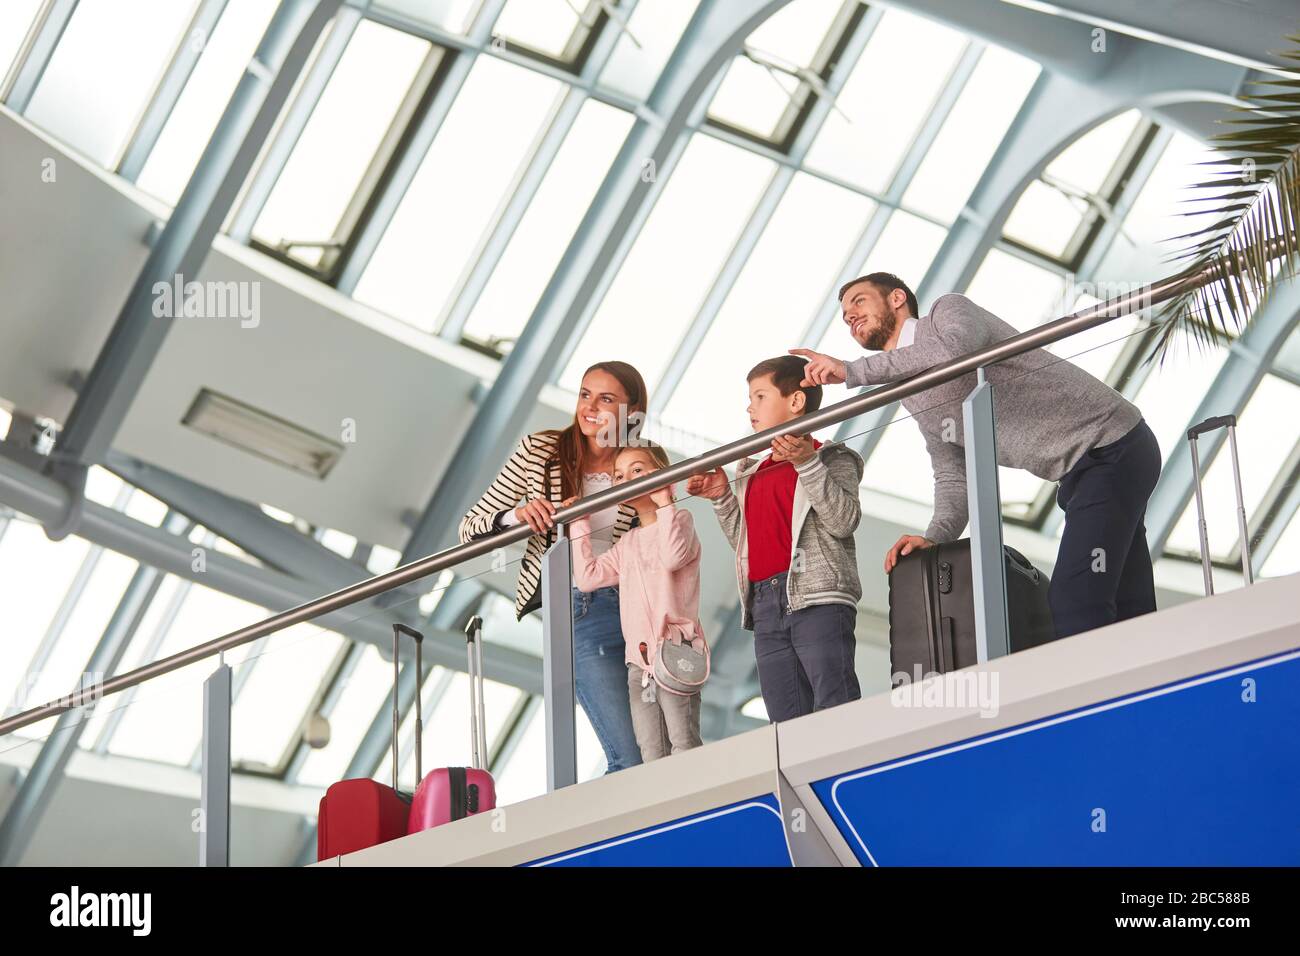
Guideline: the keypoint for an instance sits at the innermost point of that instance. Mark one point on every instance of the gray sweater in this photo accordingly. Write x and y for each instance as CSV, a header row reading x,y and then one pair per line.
x,y
1048,412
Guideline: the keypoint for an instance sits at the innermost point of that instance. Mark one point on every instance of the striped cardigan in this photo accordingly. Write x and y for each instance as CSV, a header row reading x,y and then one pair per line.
x,y
533,471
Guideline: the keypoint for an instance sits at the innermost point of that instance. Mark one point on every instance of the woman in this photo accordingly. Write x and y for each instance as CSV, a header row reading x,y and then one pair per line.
x,y
548,470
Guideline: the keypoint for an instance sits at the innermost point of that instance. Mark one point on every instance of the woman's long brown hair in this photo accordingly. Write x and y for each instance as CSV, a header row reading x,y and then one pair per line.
x,y
571,450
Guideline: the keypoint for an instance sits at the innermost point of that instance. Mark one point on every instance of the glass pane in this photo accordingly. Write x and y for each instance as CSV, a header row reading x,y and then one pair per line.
x,y
851,145
1160,209
452,15
102,486
1267,434
165,720
1016,291
675,259
906,248
1096,350
1089,160
754,97
1285,556
104,71
367,689
171,590
546,26
971,134
341,139
269,711
85,626
204,99
1172,390
446,724
1051,210
1045,218
549,223
41,571
524,775
641,52
460,185
1018,490
16,17
810,235
796,32
900,465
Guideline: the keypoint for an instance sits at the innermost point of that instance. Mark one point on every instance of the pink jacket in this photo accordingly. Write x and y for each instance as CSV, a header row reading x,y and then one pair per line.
x,y
657,571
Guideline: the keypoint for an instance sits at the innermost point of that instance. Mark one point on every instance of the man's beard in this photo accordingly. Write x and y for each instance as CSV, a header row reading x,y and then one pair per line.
x,y
879,336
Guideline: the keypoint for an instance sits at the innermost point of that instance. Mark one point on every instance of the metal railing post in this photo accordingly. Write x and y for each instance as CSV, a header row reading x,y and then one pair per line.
x,y
214,844
557,665
988,566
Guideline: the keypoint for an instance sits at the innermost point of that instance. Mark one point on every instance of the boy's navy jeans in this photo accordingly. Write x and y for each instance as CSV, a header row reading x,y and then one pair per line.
x,y
805,657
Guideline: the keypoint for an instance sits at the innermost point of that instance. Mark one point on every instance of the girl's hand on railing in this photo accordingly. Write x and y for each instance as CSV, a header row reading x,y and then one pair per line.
x,y
710,484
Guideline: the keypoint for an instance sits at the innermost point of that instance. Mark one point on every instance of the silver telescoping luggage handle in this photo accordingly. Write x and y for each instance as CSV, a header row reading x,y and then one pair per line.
x,y
419,689
1193,435
477,711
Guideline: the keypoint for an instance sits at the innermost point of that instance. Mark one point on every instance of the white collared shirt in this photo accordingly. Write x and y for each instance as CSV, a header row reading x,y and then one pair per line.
x,y
908,335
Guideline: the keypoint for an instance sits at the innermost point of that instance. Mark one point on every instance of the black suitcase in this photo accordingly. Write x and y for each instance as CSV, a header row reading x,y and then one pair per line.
x,y
932,610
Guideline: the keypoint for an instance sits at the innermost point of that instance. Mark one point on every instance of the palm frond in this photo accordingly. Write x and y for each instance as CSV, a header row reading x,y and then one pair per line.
x,y
1252,195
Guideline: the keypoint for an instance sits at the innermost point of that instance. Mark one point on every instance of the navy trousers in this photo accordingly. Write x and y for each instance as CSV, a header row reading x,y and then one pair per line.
x,y
1103,568
804,657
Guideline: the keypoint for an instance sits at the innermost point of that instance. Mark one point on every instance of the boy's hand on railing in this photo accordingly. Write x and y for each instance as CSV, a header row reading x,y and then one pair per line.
x,y
710,484
821,369
905,545
796,449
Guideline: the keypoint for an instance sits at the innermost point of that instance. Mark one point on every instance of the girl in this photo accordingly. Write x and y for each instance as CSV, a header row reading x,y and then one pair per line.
x,y
546,470
657,569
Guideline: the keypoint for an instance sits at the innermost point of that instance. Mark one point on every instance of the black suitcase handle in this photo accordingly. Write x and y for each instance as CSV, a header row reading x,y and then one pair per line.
x,y
1021,563
1210,425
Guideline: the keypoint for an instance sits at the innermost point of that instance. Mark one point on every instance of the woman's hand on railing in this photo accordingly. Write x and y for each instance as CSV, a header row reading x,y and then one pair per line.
x,y
710,484
538,513
821,369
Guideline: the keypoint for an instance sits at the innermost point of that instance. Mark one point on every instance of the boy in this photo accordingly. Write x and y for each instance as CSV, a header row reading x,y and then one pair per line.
x,y
791,520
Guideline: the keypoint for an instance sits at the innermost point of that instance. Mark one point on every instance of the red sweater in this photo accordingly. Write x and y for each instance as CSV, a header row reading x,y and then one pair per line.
x,y
769,511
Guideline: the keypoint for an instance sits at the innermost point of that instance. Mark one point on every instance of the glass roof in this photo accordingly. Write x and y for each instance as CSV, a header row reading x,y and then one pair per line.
x,y
16,18
747,239
104,70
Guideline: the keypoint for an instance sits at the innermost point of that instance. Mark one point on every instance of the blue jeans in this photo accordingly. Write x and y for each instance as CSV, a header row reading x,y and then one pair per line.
x,y
600,675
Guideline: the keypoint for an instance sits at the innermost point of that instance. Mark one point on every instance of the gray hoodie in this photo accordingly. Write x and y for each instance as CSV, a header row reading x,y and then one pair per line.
x,y
823,559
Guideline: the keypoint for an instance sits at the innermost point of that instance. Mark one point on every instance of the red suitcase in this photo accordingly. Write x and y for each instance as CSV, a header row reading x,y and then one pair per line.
x,y
355,814
453,793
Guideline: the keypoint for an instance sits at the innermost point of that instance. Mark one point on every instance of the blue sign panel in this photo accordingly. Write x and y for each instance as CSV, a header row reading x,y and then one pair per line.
x,y
748,833
1205,771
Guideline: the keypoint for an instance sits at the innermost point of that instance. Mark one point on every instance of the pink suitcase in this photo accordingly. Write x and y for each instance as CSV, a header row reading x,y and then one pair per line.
x,y
453,793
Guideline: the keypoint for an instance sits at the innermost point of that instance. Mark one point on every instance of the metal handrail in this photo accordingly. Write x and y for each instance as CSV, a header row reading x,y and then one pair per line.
x,y
1145,297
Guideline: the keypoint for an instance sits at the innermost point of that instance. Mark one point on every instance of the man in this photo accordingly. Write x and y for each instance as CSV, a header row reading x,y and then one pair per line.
x,y
1053,420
